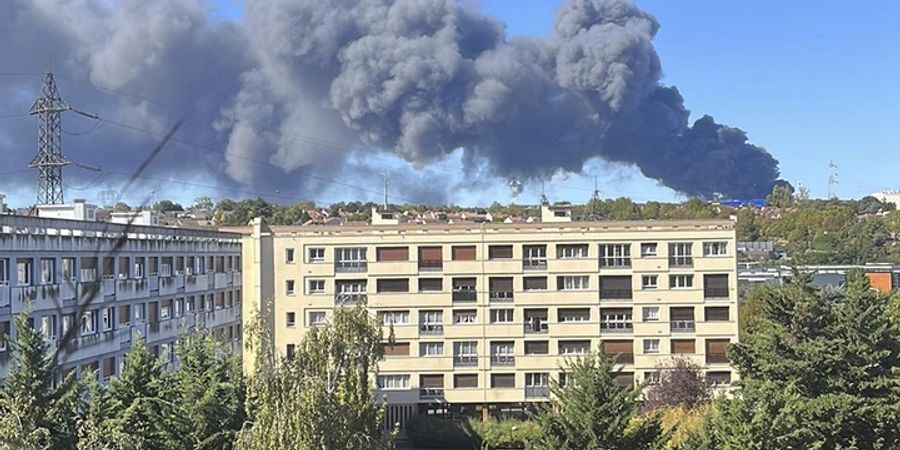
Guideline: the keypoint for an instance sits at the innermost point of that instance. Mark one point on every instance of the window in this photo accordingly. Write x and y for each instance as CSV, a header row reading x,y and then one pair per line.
x,y
165,310
350,258
4,332
715,286
393,382
48,270
350,286
502,351
615,287
23,272
392,254
431,258
289,287
652,377
290,319
574,315
715,249
718,379
621,351
464,316
464,289
716,351
395,317
48,326
431,284
4,271
574,347
615,319
649,281
431,349
316,287
431,317
289,255
572,283
289,351
681,281
615,255
500,252
683,347
465,348
534,256
316,254
392,285
501,316
463,252
537,347
396,349
88,323
500,289
716,313
572,251
503,380
537,379
648,249
534,283
680,254
651,345
651,313
68,269
316,318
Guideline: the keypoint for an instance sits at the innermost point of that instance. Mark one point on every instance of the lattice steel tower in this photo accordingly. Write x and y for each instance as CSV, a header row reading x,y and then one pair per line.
x,y
49,160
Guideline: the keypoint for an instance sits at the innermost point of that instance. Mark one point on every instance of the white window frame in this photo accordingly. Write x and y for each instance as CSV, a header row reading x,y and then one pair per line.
x,y
681,281
290,319
48,270
24,272
572,251
615,255
574,318
290,288
502,313
465,349
313,255
89,323
471,318
108,318
290,255
395,317
649,249
350,254
715,249
649,282
310,315
315,286
431,349
651,346
393,382
575,283
650,314
431,317
566,350
537,379
616,322
503,348
48,327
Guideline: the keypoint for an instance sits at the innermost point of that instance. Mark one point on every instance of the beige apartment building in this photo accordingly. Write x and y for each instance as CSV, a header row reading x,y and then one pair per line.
x,y
484,315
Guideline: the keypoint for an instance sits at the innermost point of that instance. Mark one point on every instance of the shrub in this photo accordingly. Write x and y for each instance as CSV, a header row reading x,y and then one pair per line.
x,y
439,432
505,434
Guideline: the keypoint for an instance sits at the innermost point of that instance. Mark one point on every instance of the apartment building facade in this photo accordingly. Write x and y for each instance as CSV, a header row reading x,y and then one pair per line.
x,y
484,315
115,283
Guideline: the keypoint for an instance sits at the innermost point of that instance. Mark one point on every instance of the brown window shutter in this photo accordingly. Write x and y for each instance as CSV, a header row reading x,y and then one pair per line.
x,y
397,349
124,314
392,254
613,348
717,281
625,380
537,347
534,283
502,284
431,254
109,366
716,313
683,346
682,313
431,284
465,381
463,252
503,380
716,346
500,252
392,285
431,381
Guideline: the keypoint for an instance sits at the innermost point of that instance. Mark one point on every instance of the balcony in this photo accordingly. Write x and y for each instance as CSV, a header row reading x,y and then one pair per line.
x,y
431,329
465,361
431,392
350,298
716,358
4,295
131,289
616,327
682,326
350,266
615,263
108,285
681,261
536,328
534,264
715,293
537,391
500,296
616,294
503,360
431,265
221,280
465,295
196,283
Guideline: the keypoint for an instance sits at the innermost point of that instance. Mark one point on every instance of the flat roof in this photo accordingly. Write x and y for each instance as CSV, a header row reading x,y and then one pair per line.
x,y
39,224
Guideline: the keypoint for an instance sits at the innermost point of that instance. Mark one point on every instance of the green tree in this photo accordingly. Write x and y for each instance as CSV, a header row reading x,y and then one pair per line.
x,y
591,412
167,206
322,398
782,196
38,405
121,207
203,203
819,370
682,383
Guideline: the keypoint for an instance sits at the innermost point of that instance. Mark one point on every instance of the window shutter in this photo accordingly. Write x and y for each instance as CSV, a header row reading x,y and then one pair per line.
x,y
716,346
500,252
613,348
463,252
625,380
503,380
398,349
616,283
431,254
504,284
465,381
683,346
431,381
392,254
715,281
537,348
717,313
682,313
393,285
534,283
431,284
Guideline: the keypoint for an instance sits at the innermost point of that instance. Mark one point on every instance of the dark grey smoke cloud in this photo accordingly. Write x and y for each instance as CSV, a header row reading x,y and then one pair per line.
x,y
305,84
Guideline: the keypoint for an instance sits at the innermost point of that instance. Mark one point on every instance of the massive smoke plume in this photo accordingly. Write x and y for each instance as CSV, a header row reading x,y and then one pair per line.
x,y
304,84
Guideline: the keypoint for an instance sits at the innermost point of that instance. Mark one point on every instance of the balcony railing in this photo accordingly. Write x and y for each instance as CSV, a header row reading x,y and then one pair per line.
x,y
681,261
534,264
623,358
715,293
537,391
465,295
431,329
615,262
682,326
465,360
616,294
536,327
716,358
500,296
350,266
431,265
343,298
616,327
503,360
431,392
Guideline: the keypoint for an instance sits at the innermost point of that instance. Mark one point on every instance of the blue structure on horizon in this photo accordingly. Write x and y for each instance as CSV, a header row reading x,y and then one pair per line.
x,y
758,202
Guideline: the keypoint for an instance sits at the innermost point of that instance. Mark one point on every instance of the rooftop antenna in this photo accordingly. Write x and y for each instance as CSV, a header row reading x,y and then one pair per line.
x,y
544,200
832,180
385,175
50,160
592,209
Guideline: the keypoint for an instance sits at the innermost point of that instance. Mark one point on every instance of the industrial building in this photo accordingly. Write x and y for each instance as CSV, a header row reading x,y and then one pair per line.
x,y
114,283
484,315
